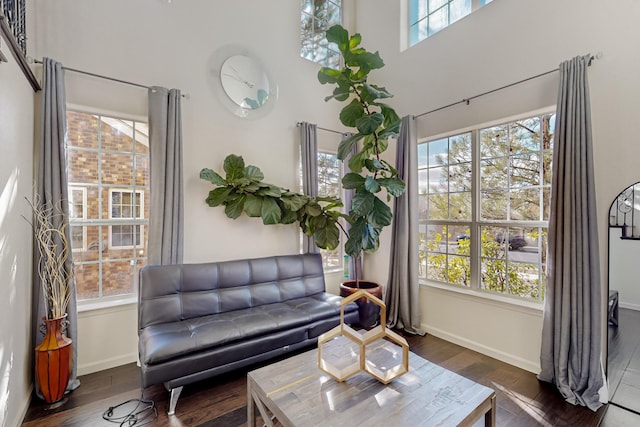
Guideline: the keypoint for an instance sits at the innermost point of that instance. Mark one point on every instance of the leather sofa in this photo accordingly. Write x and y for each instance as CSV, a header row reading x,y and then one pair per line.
x,y
196,321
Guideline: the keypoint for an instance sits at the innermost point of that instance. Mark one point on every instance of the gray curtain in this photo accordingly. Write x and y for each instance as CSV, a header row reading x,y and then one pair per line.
x,y
51,189
166,223
571,336
355,264
309,153
402,293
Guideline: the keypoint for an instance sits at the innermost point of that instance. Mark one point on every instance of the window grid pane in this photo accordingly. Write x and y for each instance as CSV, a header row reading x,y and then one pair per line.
x,y
513,196
427,17
108,179
316,16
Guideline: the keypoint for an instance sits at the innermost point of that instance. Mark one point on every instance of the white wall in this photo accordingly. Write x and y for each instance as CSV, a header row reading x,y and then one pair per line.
x,y
155,42
16,177
506,41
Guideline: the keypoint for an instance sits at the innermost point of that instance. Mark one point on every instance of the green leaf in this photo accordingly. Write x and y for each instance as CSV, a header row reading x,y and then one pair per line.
x,y
368,124
339,36
271,191
356,162
371,185
212,177
370,93
374,165
327,237
288,217
351,113
253,206
362,202
218,196
346,145
234,167
370,238
253,173
271,213
394,186
390,116
313,209
294,202
251,187
354,41
328,75
353,245
380,216
352,181
235,206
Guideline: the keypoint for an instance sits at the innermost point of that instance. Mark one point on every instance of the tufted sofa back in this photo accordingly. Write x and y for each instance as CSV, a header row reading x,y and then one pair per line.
x,y
170,293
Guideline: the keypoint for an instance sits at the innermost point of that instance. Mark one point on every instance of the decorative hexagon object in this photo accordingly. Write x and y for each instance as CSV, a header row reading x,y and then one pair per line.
x,y
387,358
380,352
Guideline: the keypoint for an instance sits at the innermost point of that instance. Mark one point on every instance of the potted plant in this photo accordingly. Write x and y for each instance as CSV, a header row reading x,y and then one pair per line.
x,y
375,122
242,189
53,356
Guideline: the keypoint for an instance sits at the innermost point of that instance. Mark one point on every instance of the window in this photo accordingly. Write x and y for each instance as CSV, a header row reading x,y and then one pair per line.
x,y
125,204
316,17
77,214
329,184
484,207
427,17
108,175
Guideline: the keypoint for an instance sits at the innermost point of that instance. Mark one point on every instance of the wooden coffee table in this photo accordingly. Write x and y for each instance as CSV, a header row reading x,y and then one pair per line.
x,y
294,392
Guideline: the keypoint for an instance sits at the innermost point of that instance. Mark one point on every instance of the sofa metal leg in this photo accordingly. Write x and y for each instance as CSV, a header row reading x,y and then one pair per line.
x,y
175,394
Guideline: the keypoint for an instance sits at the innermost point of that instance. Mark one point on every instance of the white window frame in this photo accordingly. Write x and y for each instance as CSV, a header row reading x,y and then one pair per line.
x,y
476,222
79,221
102,302
126,220
412,21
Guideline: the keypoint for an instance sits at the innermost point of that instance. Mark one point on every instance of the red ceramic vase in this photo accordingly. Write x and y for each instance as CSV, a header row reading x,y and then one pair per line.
x,y
53,361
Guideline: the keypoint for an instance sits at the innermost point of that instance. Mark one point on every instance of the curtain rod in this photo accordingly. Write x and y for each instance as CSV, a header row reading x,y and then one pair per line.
x,y
325,129
467,100
100,76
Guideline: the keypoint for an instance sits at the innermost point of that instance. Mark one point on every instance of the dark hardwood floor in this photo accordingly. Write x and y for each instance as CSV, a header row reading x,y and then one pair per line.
x,y
521,399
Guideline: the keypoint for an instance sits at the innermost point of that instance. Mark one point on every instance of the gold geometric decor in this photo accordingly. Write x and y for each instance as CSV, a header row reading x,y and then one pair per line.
x,y
380,352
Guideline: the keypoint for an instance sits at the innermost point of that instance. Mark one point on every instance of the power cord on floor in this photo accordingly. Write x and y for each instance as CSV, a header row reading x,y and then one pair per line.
x,y
143,413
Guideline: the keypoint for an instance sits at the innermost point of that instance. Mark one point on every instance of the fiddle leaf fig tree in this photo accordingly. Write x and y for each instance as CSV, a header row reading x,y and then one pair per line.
x,y
375,122
243,190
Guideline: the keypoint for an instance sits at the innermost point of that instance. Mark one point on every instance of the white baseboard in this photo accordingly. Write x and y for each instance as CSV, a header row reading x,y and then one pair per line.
x,y
525,364
112,362
23,412
628,305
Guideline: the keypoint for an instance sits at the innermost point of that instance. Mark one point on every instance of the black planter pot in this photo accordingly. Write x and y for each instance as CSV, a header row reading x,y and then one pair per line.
x,y
369,312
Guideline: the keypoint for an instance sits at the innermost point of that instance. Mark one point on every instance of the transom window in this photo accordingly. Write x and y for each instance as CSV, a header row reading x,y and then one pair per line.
x,y
427,17
484,207
316,17
108,175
